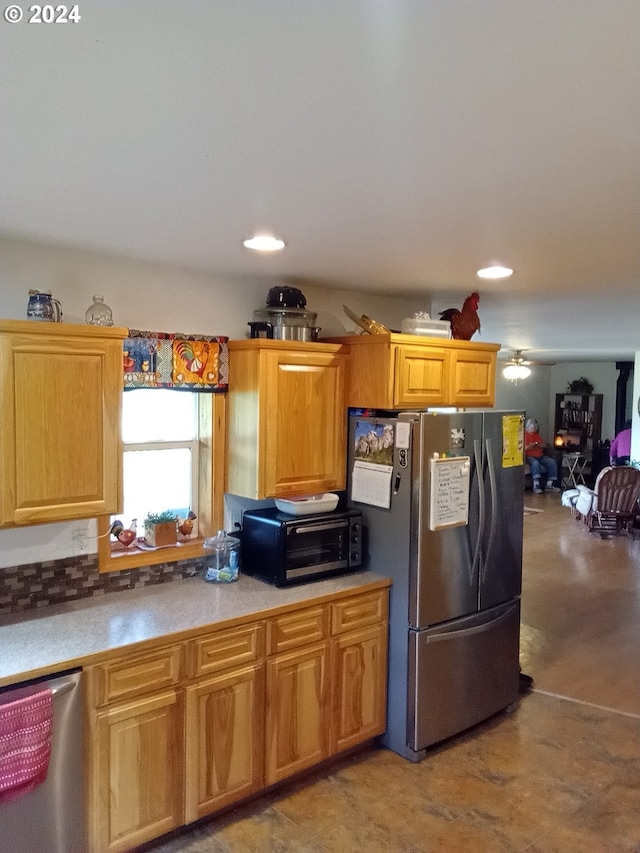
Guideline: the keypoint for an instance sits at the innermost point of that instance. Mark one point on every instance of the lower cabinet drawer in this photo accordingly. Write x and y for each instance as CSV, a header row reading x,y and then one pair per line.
x,y
131,676
359,611
292,630
224,649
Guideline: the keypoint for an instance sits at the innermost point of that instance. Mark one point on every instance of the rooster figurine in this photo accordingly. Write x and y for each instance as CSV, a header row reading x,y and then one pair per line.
x,y
465,323
186,526
122,534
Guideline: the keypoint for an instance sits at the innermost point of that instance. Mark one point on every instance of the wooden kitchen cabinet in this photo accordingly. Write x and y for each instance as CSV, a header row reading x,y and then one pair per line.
x,y
325,696
135,749
60,395
224,734
225,719
286,426
419,376
297,711
139,757
297,691
176,732
412,371
359,670
326,681
472,374
359,687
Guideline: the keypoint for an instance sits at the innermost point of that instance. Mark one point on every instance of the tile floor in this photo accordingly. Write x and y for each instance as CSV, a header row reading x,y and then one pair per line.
x,y
561,774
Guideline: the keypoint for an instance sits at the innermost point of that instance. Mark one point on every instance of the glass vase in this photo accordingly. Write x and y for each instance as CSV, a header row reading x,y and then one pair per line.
x,y
98,313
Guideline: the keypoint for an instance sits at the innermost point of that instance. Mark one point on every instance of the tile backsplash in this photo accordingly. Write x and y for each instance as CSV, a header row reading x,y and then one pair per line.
x,y
36,585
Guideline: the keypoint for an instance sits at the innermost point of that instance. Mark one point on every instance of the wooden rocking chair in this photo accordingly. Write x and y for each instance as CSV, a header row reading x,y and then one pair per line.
x,y
613,502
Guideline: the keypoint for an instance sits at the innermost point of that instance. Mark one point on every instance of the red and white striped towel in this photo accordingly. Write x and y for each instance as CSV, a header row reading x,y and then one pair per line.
x,y
25,743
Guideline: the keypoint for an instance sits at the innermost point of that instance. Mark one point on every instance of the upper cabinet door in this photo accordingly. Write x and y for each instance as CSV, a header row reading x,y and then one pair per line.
x,y
286,418
473,378
304,435
61,393
420,376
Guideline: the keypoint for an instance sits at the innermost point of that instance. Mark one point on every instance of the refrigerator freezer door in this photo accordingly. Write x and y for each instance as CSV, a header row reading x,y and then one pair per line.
x,y
446,571
461,674
501,571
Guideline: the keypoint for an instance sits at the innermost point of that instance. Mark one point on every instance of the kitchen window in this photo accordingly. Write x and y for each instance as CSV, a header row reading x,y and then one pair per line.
x,y
172,460
160,454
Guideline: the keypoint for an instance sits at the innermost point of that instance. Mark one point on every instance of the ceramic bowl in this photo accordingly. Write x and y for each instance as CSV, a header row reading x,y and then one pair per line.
x,y
308,504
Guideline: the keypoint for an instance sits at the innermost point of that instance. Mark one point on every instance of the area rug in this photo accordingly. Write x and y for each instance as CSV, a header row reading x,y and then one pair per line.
x,y
529,510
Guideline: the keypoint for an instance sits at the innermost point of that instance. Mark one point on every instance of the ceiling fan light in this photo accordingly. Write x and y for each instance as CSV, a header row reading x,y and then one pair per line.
x,y
516,371
495,271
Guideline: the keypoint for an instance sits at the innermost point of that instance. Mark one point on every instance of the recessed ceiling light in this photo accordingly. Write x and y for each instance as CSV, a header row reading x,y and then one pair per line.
x,y
494,272
264,243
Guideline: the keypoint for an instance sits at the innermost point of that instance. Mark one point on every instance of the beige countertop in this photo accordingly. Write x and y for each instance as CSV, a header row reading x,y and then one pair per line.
x,y
64,636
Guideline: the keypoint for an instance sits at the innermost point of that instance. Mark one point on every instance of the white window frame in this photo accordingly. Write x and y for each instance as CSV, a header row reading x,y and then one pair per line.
x,y
193,445
210,482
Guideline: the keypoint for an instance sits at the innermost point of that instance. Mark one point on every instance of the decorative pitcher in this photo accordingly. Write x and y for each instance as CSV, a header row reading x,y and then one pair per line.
x,y
42,306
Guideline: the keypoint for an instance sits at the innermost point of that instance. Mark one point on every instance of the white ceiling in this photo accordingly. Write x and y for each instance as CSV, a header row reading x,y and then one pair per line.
x,y
396,145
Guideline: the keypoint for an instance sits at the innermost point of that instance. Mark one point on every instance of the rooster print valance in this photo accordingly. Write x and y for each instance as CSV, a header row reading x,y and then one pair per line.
x,y
174,360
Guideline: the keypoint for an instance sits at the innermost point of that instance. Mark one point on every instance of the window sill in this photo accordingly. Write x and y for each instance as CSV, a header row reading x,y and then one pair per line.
x,y
112,559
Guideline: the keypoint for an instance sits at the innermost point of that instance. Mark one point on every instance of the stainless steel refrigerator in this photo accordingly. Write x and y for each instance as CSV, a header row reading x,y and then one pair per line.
x,y
442,501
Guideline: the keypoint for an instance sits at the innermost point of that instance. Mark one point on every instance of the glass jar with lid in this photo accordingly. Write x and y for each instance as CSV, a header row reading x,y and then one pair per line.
x,y
222,558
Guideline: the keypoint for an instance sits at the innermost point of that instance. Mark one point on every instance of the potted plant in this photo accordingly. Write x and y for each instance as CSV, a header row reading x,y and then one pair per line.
x,y
580,386
160,528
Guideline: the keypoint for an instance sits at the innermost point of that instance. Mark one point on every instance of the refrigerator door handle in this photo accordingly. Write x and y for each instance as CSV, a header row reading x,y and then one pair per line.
x,y
475,565
443,636
494,509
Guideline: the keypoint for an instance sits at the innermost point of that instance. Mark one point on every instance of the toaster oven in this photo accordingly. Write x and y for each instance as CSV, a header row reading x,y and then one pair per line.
x,y
285,549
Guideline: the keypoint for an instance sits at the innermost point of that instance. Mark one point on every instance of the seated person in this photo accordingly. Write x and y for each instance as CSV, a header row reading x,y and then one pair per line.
x,y
620,450
534,454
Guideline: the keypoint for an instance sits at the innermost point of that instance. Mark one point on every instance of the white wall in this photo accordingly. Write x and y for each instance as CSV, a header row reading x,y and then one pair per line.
x,y
146,295
530,394
153,297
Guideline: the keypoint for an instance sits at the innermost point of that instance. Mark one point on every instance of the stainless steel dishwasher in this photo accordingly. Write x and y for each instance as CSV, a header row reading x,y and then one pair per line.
x,y
51,817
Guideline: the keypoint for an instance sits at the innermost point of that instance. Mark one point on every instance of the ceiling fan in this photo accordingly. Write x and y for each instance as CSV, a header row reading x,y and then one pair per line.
x,y
517,357
518,367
